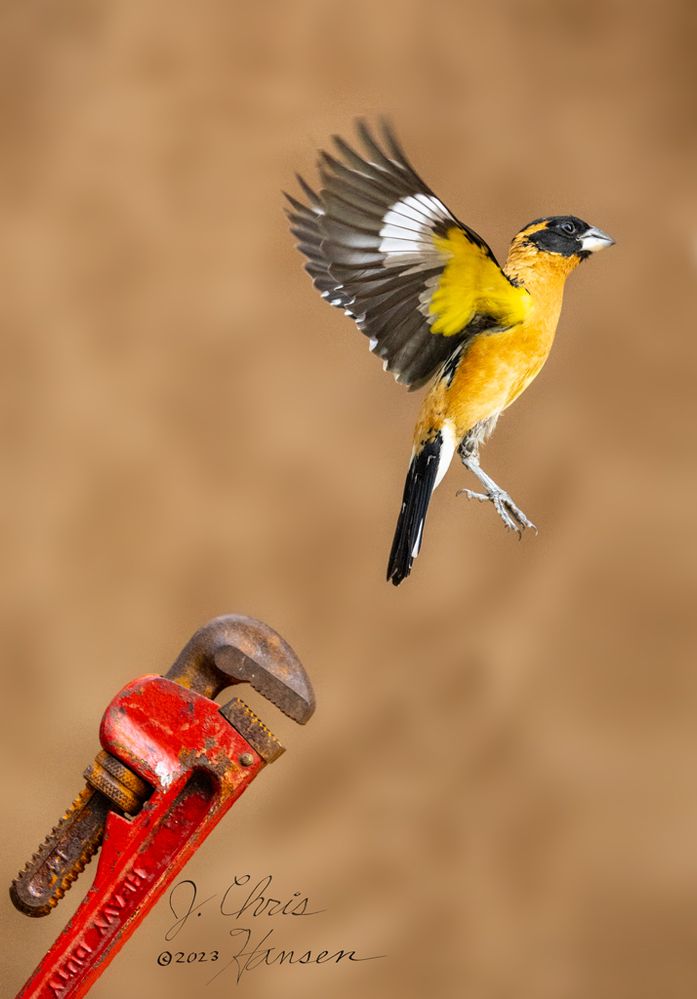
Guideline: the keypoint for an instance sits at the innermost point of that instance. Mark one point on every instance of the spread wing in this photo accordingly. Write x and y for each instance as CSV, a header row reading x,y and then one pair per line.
x,y
384,248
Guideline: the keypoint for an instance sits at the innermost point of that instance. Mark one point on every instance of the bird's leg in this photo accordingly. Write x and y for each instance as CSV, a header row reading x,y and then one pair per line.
x,y
511,514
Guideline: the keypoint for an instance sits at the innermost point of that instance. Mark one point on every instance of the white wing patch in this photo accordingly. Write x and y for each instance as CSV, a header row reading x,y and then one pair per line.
x,y
406,236
416,206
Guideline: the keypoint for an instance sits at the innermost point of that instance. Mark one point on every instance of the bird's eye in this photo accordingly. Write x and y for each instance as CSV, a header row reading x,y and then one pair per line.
x,y
568,227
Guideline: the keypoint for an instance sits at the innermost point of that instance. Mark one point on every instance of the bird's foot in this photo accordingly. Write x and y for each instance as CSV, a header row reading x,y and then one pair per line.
x,y
513,517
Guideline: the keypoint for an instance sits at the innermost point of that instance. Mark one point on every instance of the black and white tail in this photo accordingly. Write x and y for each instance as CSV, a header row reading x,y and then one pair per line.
x,y
428,466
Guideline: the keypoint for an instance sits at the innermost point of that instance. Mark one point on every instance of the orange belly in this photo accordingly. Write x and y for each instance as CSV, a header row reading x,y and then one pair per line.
x,y
495,368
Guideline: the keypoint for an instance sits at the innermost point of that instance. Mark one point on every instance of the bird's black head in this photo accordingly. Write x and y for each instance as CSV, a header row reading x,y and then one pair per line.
x,y
565,235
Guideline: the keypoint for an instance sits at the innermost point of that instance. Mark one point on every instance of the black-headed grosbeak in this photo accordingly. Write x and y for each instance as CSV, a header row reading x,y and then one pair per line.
x,y
431,296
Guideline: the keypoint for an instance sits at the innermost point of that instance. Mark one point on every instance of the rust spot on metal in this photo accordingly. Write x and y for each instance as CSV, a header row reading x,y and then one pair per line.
x,y
237,649
62,856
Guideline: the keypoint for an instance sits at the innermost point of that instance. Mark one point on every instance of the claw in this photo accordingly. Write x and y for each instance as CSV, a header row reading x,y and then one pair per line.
x,y
470,494
512,516
500,507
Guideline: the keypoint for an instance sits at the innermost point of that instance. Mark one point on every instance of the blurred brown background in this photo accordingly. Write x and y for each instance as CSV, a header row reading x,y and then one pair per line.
x,y
498,790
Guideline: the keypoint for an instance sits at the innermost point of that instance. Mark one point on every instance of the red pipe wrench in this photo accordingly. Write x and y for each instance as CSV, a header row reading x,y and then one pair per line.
x,y
173,762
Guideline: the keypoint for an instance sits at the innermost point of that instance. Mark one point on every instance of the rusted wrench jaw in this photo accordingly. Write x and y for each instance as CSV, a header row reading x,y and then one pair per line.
x,y
234,649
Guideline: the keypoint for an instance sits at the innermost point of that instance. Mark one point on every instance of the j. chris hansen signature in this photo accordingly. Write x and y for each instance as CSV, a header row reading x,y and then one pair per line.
x,y
243,902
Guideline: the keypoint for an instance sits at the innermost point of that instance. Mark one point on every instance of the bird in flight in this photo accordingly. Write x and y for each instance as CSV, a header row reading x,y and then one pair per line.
x,y
437,307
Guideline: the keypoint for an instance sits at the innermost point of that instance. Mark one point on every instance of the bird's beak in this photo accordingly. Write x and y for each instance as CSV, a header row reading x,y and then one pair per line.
x,y
595,239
